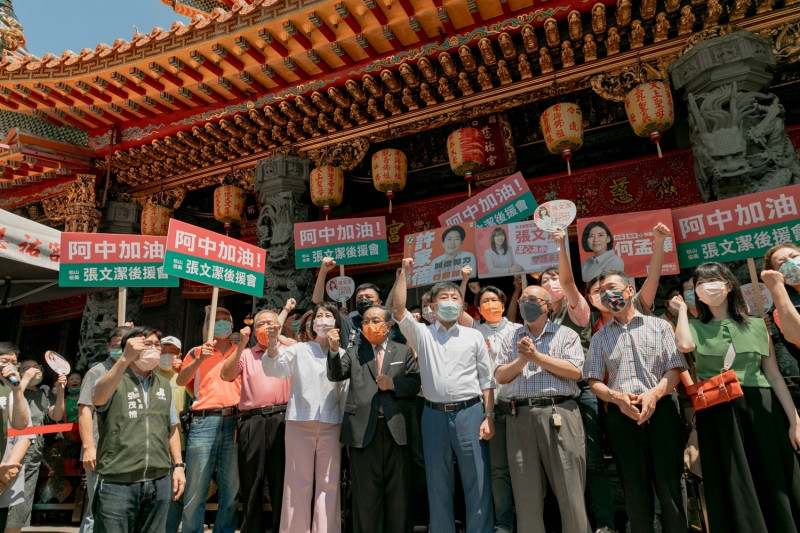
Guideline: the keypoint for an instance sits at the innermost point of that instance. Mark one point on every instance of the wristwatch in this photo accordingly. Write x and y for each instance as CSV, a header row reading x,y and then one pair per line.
x,y
180,465
488,415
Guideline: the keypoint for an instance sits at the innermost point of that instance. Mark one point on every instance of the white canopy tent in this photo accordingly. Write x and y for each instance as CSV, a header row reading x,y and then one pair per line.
x,y
29,260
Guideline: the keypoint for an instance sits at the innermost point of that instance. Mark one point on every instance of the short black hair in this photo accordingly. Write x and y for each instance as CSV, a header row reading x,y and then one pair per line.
x,y
490,288
140,331
8,347
119,331
330,306
605,274
445,286
589,227
368,286
457,229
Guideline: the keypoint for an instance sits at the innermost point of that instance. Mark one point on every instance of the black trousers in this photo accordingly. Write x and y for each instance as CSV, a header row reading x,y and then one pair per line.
x,y
647,457
750,471
262,455
381,484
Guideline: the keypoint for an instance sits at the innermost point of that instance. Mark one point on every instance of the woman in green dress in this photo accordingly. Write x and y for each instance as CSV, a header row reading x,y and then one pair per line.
x,y
748,446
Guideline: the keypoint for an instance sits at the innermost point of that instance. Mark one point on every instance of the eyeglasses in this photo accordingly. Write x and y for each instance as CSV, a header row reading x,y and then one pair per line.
x,y
537,301
149,344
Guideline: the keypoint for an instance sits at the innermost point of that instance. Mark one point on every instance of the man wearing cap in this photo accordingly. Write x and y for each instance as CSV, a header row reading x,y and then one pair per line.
x,y
168,367
262,451
211,441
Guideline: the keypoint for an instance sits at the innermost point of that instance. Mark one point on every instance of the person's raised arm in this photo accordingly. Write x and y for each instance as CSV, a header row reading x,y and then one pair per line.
x,y
106,386
390,296
400,289
788,317
230,366
647,294
189,368
319,287
465,319
20,417
288,307
683,335
565,275
56,411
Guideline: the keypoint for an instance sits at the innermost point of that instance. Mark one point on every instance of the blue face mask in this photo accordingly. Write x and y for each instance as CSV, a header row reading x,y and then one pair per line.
x,y
448,311
115,353
222,329
530,312
689,298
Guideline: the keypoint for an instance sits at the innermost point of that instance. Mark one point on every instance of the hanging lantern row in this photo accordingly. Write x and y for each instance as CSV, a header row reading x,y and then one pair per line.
x,y
155,220
562,125
389,172
650,110
466,149
229,205
327,185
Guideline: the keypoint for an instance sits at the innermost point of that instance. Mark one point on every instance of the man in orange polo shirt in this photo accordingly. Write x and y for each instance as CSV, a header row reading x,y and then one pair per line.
x,y
211,439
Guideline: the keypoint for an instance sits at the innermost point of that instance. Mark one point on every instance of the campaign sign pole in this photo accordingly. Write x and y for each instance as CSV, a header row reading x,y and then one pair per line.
x,y
212,316
122,302
751,266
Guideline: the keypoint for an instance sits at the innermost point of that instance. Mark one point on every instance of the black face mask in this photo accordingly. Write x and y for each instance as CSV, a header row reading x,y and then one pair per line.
x,y
531,312
363,305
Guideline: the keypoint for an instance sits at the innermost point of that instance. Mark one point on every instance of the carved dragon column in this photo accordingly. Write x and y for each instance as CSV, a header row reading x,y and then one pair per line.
x,y
12,37
737,131
280,181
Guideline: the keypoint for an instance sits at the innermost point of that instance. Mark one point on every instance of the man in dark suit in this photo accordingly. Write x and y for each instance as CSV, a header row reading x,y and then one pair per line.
x,y
384,379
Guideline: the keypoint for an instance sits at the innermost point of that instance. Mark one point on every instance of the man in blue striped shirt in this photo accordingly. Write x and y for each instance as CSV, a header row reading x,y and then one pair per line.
x,y
633,364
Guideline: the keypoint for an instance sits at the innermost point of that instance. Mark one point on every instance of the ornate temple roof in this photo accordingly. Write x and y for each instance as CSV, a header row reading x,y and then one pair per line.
x,y
241,80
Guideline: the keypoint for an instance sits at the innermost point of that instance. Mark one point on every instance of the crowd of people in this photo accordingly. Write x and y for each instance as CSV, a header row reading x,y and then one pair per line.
x,y
431,402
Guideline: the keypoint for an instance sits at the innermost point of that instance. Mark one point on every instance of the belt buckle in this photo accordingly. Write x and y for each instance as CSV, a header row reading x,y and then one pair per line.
x,y
450,407
227,411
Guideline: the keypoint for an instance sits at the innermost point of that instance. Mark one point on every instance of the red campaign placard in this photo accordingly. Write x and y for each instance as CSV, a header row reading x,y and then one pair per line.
x,y
85,248
338,231
440,254
624,242
201,243
723,217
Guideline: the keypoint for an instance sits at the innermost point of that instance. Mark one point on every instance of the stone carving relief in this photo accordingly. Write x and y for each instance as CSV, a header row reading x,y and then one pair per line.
x,y
76,208
99,318
346,155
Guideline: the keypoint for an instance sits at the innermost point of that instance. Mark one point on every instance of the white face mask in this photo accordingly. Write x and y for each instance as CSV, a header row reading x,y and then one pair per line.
x,y
323,325
712,293
148,359
165,361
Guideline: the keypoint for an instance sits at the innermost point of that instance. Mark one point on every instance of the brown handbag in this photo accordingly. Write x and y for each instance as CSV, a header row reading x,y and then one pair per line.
x,y
721,388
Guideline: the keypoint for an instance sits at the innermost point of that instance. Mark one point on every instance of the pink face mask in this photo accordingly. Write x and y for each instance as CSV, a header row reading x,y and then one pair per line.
x,y
323,325
148,359
554,288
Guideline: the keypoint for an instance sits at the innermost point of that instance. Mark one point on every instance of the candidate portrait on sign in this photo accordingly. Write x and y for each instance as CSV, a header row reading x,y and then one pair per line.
x,y
599,240
500,257
448,265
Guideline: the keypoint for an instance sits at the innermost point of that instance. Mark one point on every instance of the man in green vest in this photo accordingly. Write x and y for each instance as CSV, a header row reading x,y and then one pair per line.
x,y
139,441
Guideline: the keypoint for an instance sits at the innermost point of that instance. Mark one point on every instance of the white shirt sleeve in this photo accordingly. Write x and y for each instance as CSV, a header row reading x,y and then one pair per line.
x,y
282,365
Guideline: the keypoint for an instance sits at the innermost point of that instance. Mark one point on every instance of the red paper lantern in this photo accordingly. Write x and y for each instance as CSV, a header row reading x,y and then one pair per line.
x,y
562,126
650,110
327,186
466,149
155,220
228,205
389,171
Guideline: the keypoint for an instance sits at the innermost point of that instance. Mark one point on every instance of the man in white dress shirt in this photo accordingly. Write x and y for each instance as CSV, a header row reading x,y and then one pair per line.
x,y
457,373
